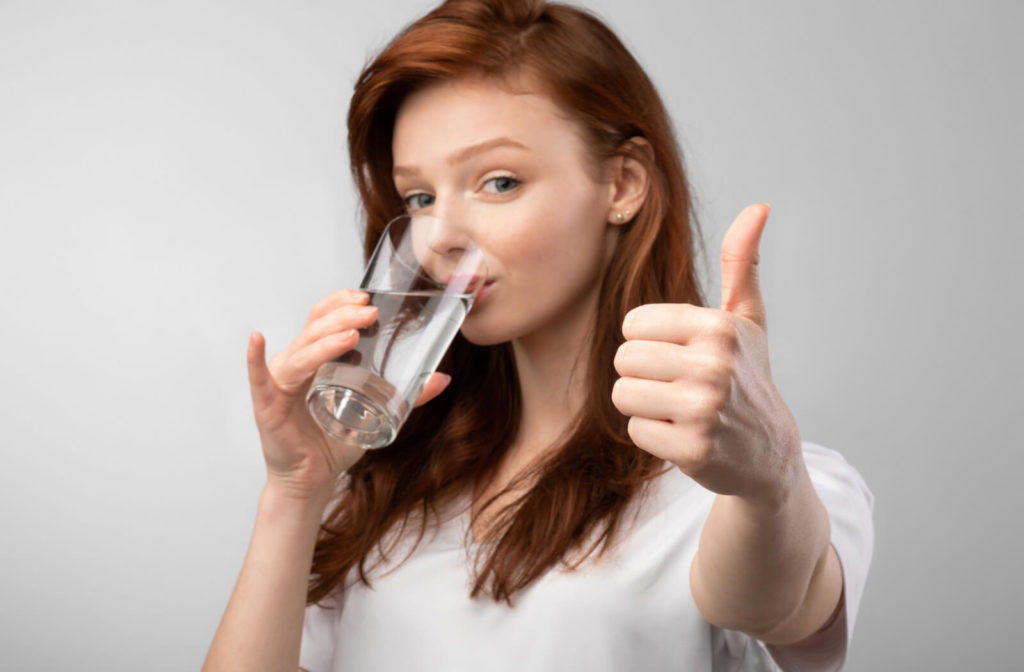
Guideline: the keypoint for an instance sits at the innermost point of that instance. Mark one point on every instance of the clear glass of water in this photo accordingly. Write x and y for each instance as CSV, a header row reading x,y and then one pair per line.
x,y
423,280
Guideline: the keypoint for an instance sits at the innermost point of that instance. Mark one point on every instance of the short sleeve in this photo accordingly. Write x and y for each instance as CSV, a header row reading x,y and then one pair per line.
x,y
849,504
319,634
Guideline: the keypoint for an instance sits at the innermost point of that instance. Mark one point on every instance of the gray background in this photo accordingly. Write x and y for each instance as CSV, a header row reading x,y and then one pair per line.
x,y
173,175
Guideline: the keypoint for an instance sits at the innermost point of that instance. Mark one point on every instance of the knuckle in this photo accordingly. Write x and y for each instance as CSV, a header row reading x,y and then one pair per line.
x,y
685,309
685,313
624,357
328,302
706,405
720,373
301,360
316,329
617,392
275,363
728,335
677,402
719,395
340,298
714,367
340,319
641,317
630,321
721,330
704,414
350,313
634,431
718,324
318,309
701,455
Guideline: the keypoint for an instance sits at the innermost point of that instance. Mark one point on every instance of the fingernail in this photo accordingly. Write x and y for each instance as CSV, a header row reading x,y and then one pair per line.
x,y
349,334
367,310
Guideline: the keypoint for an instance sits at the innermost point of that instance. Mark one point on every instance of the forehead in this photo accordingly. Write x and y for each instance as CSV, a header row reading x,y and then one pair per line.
x,y
447,116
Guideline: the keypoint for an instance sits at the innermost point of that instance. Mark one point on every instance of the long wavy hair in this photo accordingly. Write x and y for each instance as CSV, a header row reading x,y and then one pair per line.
x,y
578,497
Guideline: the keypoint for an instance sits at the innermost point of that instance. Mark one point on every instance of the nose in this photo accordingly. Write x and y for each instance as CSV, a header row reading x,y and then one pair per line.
x,y
445,247
448,231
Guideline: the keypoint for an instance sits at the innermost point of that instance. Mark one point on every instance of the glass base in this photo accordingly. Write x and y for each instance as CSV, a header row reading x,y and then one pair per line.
x,y
355,406
351,417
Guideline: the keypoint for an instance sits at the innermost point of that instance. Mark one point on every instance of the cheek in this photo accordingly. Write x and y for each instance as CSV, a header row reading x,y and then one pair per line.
x,y
549,249
558,227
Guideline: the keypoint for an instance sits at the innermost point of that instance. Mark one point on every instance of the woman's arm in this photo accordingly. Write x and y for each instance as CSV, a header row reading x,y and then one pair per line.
x,y
698,386
767,568
262,626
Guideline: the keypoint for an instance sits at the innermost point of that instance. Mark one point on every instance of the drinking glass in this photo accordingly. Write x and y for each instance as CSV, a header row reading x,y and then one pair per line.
x,y
422,284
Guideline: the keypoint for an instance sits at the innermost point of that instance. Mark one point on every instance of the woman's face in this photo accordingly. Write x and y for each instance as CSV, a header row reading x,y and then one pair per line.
x,y
510,172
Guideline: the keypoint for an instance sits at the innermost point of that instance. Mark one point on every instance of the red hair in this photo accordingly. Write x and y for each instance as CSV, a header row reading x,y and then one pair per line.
x,y
580,493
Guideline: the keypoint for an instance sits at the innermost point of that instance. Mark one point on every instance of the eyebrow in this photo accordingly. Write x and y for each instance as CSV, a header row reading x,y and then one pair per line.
x,y
466,154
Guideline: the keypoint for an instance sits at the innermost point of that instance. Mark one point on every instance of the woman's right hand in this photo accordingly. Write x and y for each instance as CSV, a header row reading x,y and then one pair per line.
x,y
301,458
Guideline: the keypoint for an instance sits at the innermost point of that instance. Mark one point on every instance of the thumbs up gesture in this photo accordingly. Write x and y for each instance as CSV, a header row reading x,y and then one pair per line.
x,y
697,385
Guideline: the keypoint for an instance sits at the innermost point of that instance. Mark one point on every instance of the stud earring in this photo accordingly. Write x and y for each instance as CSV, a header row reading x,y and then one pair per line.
x,y
619,217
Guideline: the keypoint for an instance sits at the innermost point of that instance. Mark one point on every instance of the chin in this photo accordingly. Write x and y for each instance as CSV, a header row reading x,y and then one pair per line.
x,y
484,329
481,336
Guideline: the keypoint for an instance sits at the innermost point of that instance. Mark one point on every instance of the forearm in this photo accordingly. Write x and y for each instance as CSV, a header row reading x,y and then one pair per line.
x,y
768,568
261,629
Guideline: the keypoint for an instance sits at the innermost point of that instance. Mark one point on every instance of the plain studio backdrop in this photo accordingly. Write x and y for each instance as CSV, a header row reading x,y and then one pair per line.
x,y
174,175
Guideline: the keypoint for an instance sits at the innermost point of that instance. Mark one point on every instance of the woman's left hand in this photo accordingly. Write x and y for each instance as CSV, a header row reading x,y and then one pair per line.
x,y
698,387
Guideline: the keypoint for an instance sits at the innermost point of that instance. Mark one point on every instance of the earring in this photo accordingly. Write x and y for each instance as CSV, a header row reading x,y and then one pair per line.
x,y
619,217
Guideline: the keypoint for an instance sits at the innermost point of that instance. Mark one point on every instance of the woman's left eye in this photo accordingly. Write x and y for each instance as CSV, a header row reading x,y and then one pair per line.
x,y
500,185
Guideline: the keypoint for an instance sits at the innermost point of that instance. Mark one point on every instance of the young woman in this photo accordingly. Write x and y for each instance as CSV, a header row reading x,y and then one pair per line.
x,y
607,478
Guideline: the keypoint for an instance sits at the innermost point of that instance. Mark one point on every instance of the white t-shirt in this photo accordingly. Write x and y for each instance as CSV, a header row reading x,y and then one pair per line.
x,y
631,610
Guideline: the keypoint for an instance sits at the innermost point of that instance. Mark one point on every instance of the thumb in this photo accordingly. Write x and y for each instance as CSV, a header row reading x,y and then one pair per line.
x,y
436,384
741,288
259,377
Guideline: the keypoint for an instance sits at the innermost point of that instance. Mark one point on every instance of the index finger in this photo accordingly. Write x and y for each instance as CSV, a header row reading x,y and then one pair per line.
x,y
342,297
671,322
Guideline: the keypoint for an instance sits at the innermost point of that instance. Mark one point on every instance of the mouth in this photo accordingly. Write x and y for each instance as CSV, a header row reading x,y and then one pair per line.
x,y
469,284
484,291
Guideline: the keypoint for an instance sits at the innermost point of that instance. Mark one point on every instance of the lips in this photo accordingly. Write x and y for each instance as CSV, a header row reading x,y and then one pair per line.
x,y
469,284
463,283
484,291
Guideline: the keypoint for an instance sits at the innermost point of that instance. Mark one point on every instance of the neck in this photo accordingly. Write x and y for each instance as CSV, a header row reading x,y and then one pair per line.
x,y
552,370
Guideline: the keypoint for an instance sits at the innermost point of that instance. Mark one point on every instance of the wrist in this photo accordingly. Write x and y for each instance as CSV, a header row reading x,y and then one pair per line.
x,y
787,480
790,491
795,511
281,501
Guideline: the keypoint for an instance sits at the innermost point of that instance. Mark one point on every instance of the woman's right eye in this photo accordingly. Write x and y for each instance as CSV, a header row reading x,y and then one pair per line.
x,y
418,201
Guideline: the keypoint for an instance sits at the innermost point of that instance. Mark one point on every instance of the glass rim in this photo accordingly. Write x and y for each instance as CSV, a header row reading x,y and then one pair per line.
x,y
474,282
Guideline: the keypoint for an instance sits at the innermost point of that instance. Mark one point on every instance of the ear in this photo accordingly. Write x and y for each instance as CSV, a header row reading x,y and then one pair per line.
x,y
630,180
